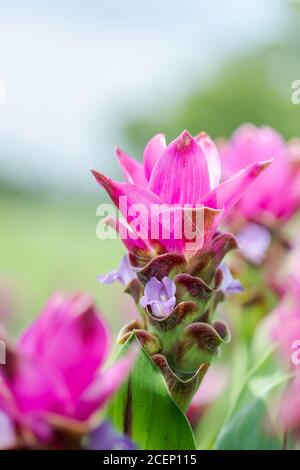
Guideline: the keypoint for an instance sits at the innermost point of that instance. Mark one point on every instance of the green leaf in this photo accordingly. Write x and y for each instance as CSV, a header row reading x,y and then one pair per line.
x,y
251,426
249,430
144,409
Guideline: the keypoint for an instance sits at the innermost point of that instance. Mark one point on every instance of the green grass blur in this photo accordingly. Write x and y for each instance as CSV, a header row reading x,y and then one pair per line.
x,y
48,245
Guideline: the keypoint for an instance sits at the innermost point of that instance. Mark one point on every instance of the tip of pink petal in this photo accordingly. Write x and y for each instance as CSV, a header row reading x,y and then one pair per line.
x,y
204,140
201,135
183,141
119,152
261,166
100,178
162,138
185,136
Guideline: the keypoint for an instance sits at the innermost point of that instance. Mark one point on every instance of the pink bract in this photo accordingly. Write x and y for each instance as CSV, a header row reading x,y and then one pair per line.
x,y
184,176
276,194
55,367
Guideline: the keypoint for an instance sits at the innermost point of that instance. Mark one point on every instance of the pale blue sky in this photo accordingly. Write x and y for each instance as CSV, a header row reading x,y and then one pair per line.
x,y
75,70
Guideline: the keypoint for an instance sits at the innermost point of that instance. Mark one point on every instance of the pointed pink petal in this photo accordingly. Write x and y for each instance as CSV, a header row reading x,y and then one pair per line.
x,y
134,193
181,174
67,335
189,228
106,384
153,151
212,156
133,201
228,193
132,169
131,240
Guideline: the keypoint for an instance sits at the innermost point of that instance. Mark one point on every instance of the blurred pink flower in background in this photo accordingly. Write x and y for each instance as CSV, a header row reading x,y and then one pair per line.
x,y
53,373
276,194
212,386
285,321
185,177
290,406
284,324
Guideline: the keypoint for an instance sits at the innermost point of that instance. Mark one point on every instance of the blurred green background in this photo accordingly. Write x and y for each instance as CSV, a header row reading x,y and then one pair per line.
x,y
48,203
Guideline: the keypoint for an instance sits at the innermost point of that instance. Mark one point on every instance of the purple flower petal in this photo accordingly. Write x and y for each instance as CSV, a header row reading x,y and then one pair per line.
x,y
124,274
159,296
106,438
229,285
254,241
169,285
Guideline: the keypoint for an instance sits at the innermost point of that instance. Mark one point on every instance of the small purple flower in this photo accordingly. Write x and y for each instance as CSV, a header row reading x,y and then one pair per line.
x,y
106,438
159,296
124,273
254,241
229,285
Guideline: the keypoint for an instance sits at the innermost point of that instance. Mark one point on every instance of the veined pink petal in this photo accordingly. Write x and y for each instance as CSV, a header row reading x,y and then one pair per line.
x,y
212,156
153,151
132,169
137,204
181,174
228,193
190,227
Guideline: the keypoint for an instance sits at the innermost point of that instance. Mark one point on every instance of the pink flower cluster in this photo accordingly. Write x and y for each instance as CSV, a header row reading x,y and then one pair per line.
x,y
276,195
52,379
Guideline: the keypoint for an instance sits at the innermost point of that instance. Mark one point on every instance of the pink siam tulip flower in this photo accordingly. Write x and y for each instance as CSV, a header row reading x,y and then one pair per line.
x,y
285,323
53,375
290,406
212,387
285,328
184,176
276,195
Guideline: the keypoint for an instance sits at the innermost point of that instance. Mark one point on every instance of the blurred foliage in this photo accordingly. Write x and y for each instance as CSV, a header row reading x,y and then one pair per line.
x,y
52,244
254,87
